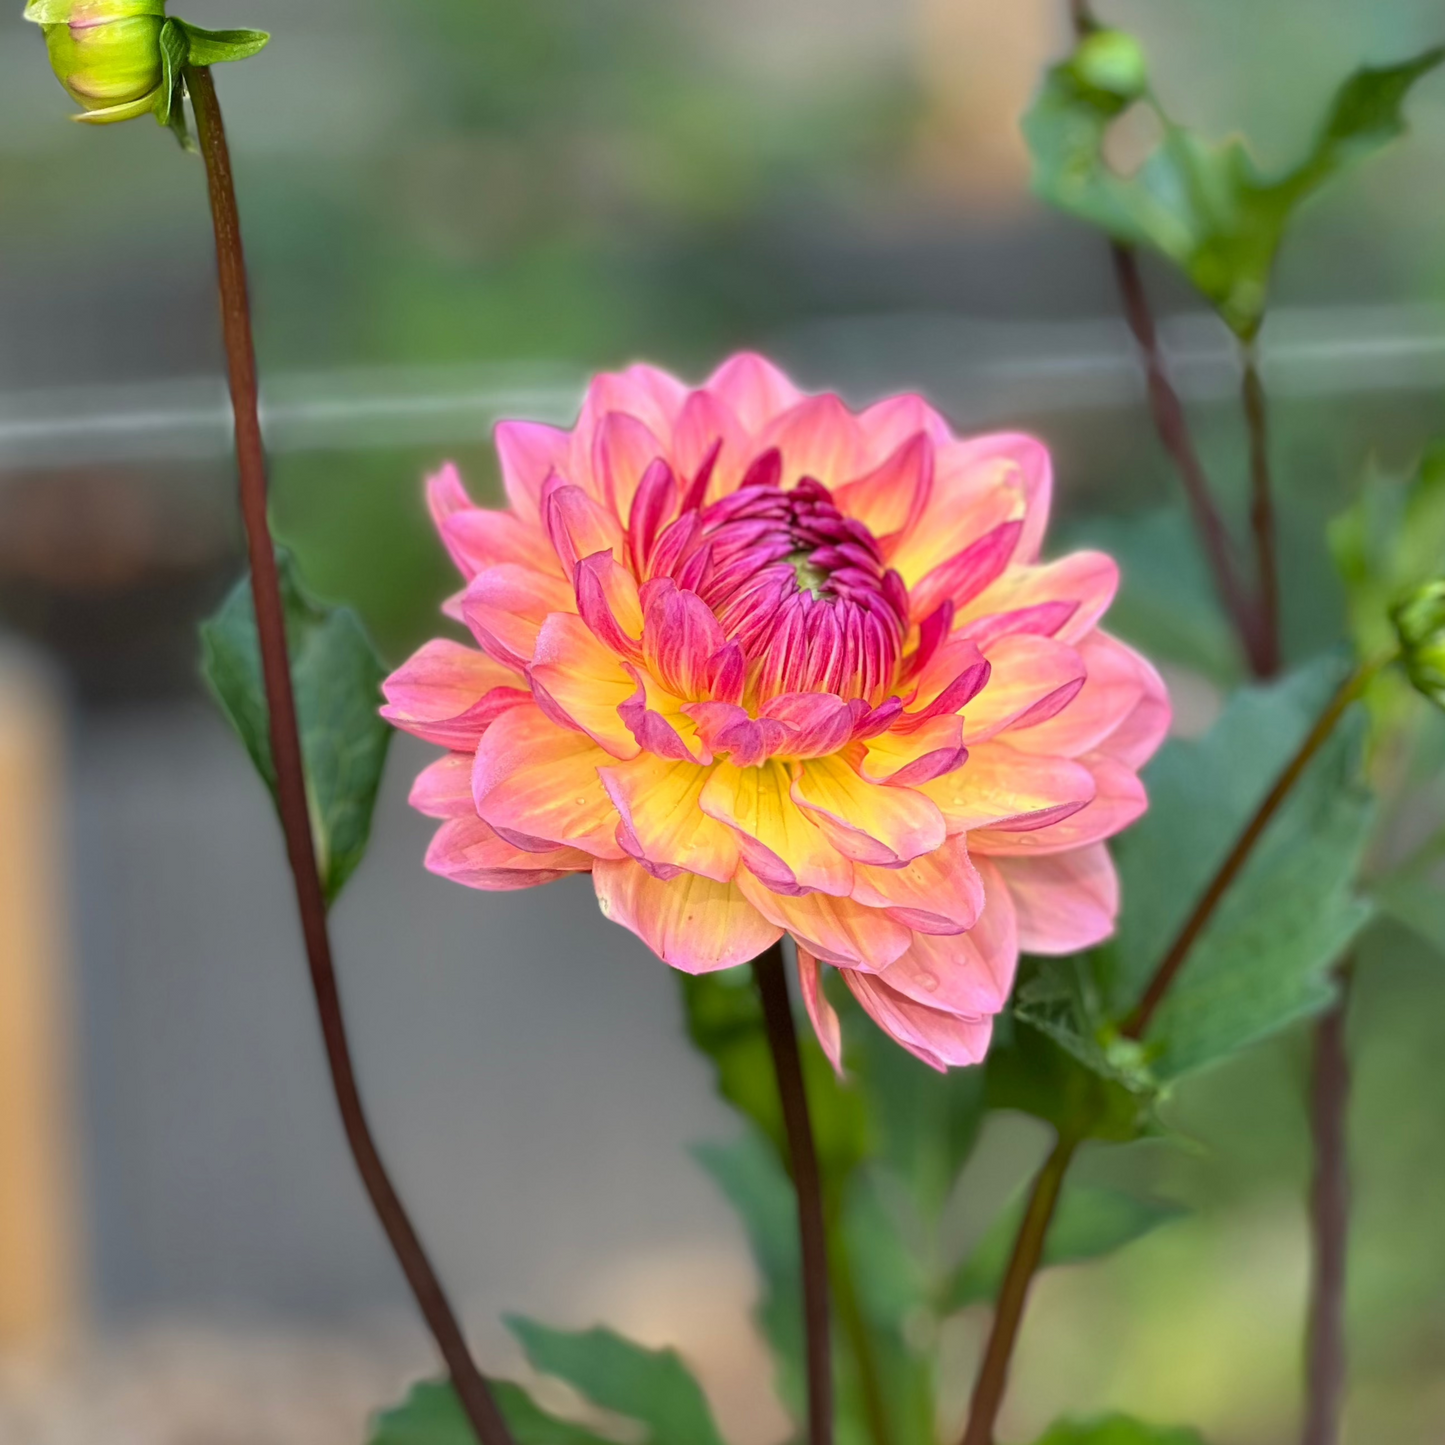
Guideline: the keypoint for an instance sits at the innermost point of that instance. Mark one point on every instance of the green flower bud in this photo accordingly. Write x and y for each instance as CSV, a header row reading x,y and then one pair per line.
x,y
1112,63
1419,620
106,53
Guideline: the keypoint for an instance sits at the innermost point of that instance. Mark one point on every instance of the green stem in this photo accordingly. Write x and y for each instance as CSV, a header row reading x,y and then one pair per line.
x,y
1261,514
860,1344
1028,1252
471,1388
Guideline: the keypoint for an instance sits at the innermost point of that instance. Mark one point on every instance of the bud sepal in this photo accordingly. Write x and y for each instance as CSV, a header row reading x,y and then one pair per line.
x,y
1419,619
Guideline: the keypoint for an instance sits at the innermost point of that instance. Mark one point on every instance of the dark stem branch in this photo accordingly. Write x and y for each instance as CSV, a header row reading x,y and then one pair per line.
x,y
1261,514
1173,427
772,981
1028,1251
1329,1223
472,1390
1138,1021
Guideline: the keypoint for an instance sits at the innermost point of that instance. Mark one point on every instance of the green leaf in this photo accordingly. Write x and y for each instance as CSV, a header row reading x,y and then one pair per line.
x,y
432,1415
1264,958
214,47
1090,1222
1204,206
653,1387
924,1123
725,1021
1116,1430
337,678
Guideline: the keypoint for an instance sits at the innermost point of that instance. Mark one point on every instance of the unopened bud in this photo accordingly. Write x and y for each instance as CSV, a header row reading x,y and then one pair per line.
x,y
106,53
1419,622
1111,62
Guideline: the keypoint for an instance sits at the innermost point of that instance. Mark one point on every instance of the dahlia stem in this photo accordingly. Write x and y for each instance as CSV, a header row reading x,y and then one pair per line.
x,y
1028,1251
471,1389
1143,1012
1261,515
772,982
1172,425
1028,1244
1325,1370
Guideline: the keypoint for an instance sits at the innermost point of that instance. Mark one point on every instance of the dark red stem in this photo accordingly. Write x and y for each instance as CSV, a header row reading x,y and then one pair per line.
x,y
1261,516
472,1390
772,982
1329,1222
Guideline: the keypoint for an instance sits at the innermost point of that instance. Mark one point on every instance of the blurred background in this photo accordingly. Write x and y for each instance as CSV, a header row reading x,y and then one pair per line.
x,y
454,211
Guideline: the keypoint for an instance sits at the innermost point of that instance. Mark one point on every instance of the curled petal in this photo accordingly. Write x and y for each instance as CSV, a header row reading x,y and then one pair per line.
x,y
1001,787
1118,800
505,608
868,823
910,758
708,437
648,393
777,841
753,389
966,973
1065,901
579,682
653,506
964,575
1112,690
1032,680
942,1040
449,694
467,851
941,892
608,602
887,424
956,674
1088,580
577,525
529,453
695,924
818,723
837,930
1021,462
443,789
663,827
821,1013
1043,619
817,438
537,785
680,637
956,517
1138,736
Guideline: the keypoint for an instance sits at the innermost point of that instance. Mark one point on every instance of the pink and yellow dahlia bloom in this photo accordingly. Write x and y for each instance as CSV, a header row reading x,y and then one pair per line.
x,y
762,666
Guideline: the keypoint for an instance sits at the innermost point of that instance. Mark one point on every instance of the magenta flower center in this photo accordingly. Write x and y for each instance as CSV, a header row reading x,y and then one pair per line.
x,y
803,590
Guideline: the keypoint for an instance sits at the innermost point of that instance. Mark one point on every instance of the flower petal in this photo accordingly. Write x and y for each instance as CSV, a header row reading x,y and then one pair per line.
x,y
578,526
443,789
887,424
928,752
1065,901
708,427
940,892
449,694
478,538
529,453
753,389
999,785
837,930
817,438
1118,800
663,826
1089,580
693,923
941,1040
783,848
1112,690
537,785
467,851
865,821
1031,679
505,607
578,680
680,636
821,1013
623,451
891,498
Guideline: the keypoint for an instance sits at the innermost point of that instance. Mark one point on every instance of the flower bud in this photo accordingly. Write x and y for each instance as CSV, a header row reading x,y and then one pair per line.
x,y
1112,63
106,53
1419,620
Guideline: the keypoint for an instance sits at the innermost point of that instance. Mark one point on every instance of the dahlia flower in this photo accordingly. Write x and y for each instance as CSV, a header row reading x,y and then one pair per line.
x,y
762,666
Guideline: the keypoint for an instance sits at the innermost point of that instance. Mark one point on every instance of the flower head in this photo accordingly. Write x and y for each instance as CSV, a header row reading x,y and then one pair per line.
x,y
764,666
106,53
1419,620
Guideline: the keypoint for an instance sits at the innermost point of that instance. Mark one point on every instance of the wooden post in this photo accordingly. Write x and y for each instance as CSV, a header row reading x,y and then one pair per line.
x,y
39,1213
